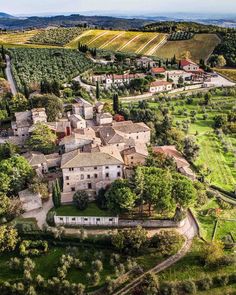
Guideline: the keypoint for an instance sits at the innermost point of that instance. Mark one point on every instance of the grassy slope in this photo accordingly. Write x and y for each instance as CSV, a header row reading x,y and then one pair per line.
x,y
200,46
17,38
212,154
190,267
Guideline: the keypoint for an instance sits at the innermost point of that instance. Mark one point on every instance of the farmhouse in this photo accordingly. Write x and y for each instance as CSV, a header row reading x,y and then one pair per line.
x,y
146,62
160,86
189,66
176,75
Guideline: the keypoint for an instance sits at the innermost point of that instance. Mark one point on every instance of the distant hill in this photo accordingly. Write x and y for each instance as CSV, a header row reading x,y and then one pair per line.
x,y
106,22
5,15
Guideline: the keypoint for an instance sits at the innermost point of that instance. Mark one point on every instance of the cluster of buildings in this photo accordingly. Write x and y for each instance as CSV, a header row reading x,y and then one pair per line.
x,y
189,73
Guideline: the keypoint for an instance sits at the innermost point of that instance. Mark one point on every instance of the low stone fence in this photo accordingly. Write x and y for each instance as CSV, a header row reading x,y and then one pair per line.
x,y
151,223
114,222
86,221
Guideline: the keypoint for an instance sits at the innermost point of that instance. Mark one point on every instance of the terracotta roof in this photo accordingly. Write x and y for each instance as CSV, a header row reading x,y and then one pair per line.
x,y
158,70
160,83
187,62
171,151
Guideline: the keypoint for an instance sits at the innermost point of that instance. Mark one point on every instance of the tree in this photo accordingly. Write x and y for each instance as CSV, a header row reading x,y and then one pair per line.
x,y
181,80
120,197
97,91
19,103
221,62
115,103
42,139
207,98
28,264
4,204
183,191
130,240
220,121
8,238
81,200
101,199
7,150
56,194
39,186
52,104
191,148
167,242
150,284
213,252
17,172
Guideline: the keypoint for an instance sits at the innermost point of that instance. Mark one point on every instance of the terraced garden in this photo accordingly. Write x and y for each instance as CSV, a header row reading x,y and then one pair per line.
x,y
200,47
138,42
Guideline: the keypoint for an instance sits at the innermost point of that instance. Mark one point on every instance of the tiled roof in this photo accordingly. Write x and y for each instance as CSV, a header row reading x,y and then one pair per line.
x,y
75,159
158,70
160,83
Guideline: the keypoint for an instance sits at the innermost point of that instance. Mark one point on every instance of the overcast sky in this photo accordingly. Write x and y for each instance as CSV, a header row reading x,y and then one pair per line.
x,y
134,6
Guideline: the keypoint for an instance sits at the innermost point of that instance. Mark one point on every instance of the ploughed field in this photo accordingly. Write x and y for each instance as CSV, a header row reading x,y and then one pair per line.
x,y
124,41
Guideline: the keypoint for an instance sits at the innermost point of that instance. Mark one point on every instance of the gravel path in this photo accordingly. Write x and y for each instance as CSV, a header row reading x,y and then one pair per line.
x,y
9,76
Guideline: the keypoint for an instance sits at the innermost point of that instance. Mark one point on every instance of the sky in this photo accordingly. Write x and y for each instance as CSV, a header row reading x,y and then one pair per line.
x,y
133,6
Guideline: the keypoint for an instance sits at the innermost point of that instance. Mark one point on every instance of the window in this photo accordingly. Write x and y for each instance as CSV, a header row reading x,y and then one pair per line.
x,y
107,167
118,166
81,169
88,176
95,168
136,137
107,175
98,219
85,219
61,218
82,176
71,169
118,174
68,183
132,158
73,219
110,219
95,176
67,177
89,185
73,189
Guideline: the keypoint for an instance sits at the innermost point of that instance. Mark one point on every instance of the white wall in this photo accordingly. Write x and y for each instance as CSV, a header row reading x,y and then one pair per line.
x,y
86,220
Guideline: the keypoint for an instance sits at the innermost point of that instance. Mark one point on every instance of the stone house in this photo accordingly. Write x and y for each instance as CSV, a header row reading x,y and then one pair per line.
x,y
83,108
104,118
77,122
135,156
85,171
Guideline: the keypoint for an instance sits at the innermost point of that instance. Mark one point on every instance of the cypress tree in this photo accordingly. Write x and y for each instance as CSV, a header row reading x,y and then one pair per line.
x,y
54,195
58,189
97,91
116,103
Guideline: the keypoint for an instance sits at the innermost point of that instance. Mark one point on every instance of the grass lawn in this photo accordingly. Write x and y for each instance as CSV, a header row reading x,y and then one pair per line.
x,y
200,46
226,227
92,210
190,267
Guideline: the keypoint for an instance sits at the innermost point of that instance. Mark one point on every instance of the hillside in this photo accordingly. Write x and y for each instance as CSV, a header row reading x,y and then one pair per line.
x,y
5,15
73,20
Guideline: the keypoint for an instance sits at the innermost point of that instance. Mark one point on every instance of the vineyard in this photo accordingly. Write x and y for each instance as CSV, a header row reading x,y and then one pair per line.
x,y
229,73
58,36
17,38
177,36
200,47
30,66
124,41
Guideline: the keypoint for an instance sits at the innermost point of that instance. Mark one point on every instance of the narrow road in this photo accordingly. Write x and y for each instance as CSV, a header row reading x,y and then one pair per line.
x,y
9,76
189,230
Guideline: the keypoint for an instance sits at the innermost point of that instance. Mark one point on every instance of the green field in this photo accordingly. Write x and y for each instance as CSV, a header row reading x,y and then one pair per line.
x,y
138,42
200,47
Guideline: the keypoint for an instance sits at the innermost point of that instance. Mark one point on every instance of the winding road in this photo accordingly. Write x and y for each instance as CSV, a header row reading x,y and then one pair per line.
x,y
9,76
189,230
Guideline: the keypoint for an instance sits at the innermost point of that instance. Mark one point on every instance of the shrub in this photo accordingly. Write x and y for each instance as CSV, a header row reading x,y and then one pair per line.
x,y
14,263
98,265
50,218
168,288
189,287
221,280
204,284
81,200
33,248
